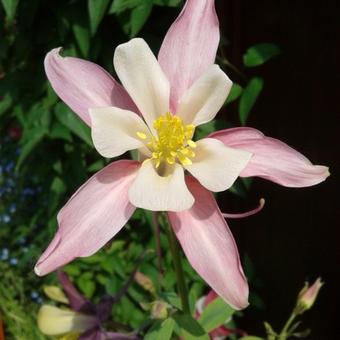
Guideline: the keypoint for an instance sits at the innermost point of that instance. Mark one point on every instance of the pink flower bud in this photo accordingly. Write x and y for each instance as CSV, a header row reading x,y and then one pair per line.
x,y
308,295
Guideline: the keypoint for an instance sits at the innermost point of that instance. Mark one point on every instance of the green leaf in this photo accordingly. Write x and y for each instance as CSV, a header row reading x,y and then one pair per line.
x,y
58,186
215,314
59,131
172,299
10,7
249,97
119,6
169,3
96,166
71,121
86,285
5,103
82,36
235,92
250,337
97,9
188,328
161,330
259,54
205,129
139,16
33,138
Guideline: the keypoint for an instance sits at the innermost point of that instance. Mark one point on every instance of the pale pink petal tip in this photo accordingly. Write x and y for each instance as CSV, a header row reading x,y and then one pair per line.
x,y
272,159
93,215
210,247
194,33
82,85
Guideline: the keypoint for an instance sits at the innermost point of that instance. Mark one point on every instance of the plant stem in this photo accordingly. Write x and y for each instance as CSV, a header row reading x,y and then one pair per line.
x,y
157,231
223,60
182,288
283,334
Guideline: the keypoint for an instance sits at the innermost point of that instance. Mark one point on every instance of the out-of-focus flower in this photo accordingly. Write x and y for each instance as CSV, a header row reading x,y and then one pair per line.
x,y
221,332
308,295
83,321
156,112
14,132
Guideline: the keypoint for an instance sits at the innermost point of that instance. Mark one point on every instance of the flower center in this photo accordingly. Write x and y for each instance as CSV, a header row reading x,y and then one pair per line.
x,y
173,142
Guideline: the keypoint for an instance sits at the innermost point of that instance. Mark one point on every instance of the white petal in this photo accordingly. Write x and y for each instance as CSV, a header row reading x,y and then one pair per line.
x,y
56,321
217,166
153,192
205,97
143,78
114,131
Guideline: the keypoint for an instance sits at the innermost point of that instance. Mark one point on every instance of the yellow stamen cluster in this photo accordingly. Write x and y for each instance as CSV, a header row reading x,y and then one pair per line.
x,y
173,142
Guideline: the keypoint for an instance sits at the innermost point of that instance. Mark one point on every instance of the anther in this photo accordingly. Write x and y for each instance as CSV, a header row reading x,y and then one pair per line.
x,y
141,135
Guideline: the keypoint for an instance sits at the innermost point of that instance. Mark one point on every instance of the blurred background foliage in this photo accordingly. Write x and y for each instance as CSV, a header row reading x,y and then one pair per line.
x,y
47,152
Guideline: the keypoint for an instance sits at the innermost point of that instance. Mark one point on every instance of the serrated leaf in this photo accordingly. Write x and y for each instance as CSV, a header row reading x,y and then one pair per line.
x,y
161,330
10,7
235,92
249,97
188,328
71,121
97,9
139,16
259,54
215,314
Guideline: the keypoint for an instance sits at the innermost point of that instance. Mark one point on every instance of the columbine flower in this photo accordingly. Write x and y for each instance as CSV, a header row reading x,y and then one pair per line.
x,y
83,321
156,112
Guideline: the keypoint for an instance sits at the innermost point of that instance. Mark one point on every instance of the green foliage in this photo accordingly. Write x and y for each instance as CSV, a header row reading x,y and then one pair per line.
x,y
10,7
73,123
16,311
97,9
215,315
235,93
161,330
259,54
249,97
188,328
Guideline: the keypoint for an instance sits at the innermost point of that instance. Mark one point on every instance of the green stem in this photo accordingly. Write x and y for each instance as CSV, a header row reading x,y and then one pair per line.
x,y
157,231
182,288
224,61
283,334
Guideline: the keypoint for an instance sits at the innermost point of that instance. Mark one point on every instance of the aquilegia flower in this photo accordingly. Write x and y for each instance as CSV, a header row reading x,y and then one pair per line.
x,y
83,320
156,112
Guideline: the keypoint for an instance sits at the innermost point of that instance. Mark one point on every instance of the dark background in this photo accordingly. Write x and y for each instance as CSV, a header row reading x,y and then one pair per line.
x,y
295,238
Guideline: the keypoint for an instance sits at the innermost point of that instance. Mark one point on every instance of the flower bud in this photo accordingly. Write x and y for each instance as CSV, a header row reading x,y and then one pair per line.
x,y
308,295
145,283
159,310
